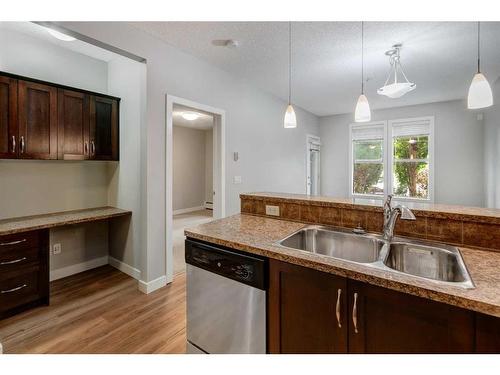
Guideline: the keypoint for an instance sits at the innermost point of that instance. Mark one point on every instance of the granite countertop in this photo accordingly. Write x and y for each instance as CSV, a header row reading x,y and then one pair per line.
x,y
27,223
258,235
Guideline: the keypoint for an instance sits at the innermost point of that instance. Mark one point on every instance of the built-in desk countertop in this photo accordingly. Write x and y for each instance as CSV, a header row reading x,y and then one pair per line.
x,y
28,223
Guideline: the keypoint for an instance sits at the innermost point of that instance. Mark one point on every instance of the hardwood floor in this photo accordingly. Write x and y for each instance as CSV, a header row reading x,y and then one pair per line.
x,y
101,311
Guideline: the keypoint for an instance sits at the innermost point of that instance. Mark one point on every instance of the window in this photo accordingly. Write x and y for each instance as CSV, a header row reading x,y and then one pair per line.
x,y
404,169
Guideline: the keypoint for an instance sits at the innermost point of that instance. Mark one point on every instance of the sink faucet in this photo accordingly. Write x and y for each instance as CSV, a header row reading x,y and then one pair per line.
x,y
391,215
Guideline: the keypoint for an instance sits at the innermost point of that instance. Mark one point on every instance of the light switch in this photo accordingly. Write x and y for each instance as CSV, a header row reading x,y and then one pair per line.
x,y
272,210
237,179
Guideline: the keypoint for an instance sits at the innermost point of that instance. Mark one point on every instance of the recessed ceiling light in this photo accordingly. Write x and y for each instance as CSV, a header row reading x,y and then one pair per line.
x,y
190,116
228,43
59,35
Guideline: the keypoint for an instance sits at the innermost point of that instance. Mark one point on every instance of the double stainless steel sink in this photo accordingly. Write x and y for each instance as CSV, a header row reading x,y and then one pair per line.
x,y
440,263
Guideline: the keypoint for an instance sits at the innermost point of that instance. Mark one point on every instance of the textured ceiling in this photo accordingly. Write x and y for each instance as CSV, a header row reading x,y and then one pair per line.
x,y
440,57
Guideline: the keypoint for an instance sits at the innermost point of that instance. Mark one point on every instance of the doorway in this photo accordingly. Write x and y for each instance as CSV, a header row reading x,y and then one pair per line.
x,y
313,178
195,173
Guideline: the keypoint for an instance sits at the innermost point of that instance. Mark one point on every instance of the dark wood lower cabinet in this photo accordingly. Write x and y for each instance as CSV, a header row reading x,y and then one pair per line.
x,y
303,317
24,271
385,321
303,310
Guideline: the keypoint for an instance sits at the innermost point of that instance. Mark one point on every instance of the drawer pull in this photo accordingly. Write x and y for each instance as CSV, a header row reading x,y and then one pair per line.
x,y
13,261
13,242
13,289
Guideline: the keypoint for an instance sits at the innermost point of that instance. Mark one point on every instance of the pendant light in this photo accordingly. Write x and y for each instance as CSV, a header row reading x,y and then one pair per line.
x,y
397,88
480,95
290,120
362,112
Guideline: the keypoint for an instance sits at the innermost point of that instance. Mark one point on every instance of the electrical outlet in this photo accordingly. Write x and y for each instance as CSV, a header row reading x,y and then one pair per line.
x,y
56,249
273,210
237,180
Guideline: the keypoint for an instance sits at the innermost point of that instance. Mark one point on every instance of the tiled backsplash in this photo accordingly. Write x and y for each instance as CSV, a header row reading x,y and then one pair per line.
x,y
471,230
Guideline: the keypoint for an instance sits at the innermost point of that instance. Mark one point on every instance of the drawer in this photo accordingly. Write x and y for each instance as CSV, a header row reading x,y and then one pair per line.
x,y
19,241
14,259
19,290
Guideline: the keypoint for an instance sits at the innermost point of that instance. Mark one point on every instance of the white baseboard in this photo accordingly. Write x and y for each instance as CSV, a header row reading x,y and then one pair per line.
x,y
77,268
151,286
187,210
125,268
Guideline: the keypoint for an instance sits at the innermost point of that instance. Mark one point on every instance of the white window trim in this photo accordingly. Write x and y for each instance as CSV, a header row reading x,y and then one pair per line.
x,y
388,159
351,158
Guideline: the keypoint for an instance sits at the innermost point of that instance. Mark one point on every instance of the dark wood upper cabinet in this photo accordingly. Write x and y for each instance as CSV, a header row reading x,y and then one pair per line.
x,y
307,310
8,118
73,124
103,128
42,120
37,106
394,322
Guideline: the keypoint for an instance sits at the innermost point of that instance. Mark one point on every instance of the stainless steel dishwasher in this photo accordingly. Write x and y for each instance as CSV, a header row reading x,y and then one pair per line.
x,y
226,300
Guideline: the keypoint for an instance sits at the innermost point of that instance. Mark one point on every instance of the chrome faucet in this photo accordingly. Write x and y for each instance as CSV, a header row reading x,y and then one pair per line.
x,y
391,215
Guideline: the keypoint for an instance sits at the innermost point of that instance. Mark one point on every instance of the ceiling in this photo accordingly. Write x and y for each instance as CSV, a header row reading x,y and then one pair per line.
x,y
205,120
40,32
440,57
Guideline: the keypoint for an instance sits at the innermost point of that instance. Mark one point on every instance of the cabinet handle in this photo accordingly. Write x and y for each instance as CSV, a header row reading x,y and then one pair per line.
x,y
86,148
355,313
22,144
337,308
92,147
13,261
13,242
13,144
13,289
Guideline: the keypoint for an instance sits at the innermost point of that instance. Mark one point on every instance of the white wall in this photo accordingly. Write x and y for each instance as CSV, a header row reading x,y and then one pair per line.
x,y
271,158
127,80
189,167
209,165
492,151
37,187
459,141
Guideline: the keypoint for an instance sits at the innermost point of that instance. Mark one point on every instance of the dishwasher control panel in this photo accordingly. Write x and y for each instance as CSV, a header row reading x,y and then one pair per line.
x,y
244,268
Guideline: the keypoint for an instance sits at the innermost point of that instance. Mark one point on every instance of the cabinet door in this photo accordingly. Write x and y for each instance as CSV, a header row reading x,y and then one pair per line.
x,y
306,310
37,121
103,128
385,321
8,118
73,124
487,334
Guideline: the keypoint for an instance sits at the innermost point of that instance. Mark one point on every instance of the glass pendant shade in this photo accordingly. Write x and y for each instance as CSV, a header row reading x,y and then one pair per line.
x,y
290,120
396,90
362,112
480,95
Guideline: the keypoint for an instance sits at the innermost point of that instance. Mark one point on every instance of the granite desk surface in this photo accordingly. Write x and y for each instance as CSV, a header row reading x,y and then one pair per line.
x,y
258,235
27,223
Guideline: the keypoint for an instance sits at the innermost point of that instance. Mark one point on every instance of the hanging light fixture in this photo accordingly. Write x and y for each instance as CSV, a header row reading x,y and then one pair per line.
x,y
290,120
362,112
397,88
480,95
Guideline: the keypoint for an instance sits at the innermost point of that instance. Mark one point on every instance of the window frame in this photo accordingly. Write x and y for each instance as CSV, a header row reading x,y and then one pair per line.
x,y
353,126
430,158
388,159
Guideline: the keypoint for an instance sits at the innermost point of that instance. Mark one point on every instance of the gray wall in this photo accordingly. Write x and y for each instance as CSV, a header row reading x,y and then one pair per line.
x,y
492,151
271,158
189,167
459,141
